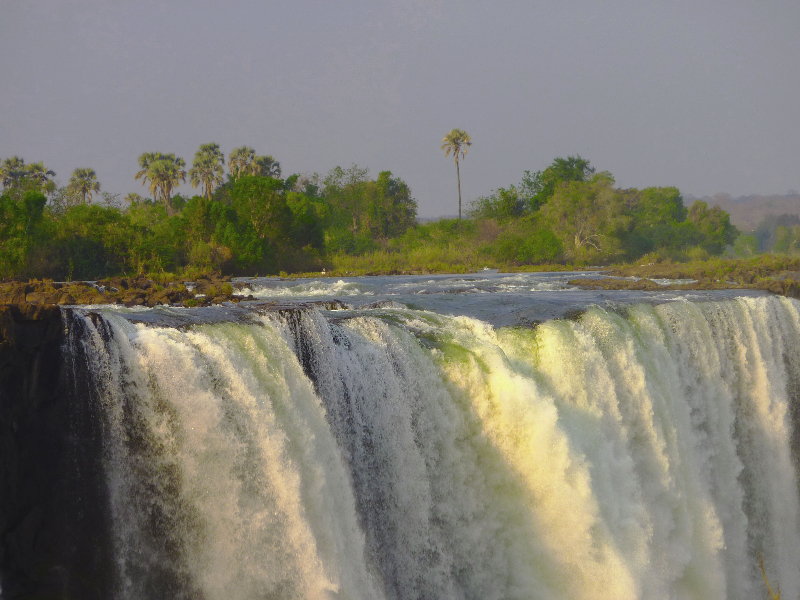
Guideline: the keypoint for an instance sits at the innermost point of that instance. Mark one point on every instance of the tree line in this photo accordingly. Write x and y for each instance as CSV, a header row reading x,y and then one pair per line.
x,y
246,221
570,212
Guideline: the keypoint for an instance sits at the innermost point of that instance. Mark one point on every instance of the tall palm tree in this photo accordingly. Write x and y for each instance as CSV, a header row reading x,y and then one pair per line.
x,y
266,166
207,168
145,160
163,171
457,142
166,173
12,170
240,160
84,182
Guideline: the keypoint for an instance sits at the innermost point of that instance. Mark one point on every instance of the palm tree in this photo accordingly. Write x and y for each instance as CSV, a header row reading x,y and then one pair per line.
x,y
42,176
163,171
133,198
166,173
145,160
12,170
207,168
457,142
84,182
240,160
266,166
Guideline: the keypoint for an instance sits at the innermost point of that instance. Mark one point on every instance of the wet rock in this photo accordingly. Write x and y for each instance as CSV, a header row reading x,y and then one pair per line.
x,y
51,546
43,297
66,299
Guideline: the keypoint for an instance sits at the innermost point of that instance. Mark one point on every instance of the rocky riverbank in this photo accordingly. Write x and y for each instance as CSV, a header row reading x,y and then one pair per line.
x,y
786,287
773,275
125,291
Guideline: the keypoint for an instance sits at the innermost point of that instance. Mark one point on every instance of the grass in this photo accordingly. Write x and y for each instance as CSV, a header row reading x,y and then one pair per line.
x,y
740,270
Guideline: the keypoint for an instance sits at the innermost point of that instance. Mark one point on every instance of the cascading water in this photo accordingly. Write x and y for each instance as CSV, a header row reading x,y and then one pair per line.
x,y
395,453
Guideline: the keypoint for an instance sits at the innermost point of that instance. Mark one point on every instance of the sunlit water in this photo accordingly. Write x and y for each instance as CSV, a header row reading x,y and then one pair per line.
x,y
497,298
424,441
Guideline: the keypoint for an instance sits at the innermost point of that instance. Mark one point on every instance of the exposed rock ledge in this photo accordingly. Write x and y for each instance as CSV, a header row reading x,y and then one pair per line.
x,y
127,291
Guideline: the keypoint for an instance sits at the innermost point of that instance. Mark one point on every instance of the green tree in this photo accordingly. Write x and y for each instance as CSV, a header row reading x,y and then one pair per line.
x,y
766,230
502,204
163,171
134,198
745,245
390,208
658,222
145,160
12,171
457,142
15,174
84,182
207,168
343,190
13,241
42,176
217,239
240,161
63,198
266,166
88,241
657,206
167,172
715,224
540,186
260,201
572,168
20,219
589,218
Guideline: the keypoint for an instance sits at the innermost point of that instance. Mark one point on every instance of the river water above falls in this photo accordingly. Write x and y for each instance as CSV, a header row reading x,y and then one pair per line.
x,y
421,439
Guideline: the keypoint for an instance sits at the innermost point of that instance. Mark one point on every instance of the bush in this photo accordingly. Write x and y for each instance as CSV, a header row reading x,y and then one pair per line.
x,y
541,247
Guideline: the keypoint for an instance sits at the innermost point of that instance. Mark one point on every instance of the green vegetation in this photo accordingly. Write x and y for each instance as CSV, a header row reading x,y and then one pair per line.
x,y
84,182
163,171
207,169
581,218
251,221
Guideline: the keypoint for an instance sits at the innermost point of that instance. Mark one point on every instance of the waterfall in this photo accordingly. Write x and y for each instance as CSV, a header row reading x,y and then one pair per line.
x,y
395,453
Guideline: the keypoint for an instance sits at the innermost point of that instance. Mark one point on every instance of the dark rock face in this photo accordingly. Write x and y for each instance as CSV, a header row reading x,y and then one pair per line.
x,y
54,518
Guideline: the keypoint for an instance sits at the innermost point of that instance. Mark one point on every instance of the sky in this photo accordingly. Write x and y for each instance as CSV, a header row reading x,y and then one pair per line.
x,y
701,95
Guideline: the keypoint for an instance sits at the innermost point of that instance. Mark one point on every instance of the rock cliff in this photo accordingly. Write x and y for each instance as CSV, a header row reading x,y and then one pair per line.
x,y
54,534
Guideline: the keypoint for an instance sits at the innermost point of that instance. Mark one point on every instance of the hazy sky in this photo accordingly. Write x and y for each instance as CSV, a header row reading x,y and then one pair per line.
x,y
703,95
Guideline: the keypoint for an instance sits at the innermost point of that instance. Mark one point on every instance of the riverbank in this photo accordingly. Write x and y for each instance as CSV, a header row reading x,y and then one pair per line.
x,y
125,291
778,275
775,274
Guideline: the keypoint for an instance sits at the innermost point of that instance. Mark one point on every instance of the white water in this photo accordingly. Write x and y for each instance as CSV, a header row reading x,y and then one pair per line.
x,y
617,457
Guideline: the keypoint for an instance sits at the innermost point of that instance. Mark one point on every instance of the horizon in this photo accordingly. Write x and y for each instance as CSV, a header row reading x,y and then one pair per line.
x,y
674,94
